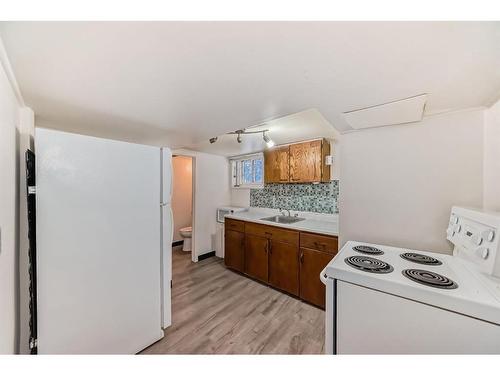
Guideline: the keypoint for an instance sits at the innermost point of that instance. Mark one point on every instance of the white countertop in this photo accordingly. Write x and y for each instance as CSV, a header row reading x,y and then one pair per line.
x,y
317,223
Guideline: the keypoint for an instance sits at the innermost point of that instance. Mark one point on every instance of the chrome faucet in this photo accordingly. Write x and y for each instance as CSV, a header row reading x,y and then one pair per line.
x,y
282,211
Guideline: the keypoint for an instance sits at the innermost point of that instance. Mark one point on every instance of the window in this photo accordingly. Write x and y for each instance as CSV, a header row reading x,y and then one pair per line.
x,y
247,171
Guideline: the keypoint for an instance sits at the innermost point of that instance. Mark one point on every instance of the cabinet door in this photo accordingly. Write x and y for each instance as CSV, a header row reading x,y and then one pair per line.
x,y
312,263
256,249
234,250
284,266
306,162
276,165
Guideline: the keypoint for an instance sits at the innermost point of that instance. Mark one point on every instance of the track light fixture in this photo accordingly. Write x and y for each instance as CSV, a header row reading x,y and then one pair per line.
x,y
269,142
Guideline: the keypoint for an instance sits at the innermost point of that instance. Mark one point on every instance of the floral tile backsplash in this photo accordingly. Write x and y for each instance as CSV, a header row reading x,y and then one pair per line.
x,y
321,197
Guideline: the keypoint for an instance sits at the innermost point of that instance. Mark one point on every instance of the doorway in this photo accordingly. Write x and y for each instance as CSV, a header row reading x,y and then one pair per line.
x,y
183,207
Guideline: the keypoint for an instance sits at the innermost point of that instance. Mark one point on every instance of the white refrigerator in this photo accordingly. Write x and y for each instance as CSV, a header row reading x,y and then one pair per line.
x,y
104,234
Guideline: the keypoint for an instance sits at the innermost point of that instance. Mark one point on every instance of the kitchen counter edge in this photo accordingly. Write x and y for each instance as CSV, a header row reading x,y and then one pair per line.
x,y
306,225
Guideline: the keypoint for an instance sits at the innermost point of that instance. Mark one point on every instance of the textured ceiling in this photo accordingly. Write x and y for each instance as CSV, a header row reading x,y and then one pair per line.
x,y
180,83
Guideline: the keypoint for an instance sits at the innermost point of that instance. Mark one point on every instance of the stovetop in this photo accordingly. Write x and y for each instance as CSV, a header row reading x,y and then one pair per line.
x,y
440,280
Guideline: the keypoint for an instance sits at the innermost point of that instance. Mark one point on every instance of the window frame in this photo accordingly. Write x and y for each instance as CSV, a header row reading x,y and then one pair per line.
x,y
236,169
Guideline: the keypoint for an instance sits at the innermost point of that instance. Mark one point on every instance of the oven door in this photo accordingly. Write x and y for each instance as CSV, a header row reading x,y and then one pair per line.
x,y
369,321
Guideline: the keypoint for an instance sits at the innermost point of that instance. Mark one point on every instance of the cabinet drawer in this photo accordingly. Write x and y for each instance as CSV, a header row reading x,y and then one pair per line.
x,y
231,224
277,234
319,242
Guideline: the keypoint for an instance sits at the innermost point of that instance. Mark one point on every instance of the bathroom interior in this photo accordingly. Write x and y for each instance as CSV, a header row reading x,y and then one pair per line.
x,y
182,204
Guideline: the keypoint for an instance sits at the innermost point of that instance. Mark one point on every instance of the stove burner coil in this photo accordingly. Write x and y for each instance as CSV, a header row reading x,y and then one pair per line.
x,y
368,264
367,250
421,259
429,278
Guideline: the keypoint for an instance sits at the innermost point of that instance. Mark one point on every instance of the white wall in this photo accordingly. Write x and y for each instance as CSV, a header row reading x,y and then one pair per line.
x,y
211,174
240,197
9,200
491,197
398,183
182,195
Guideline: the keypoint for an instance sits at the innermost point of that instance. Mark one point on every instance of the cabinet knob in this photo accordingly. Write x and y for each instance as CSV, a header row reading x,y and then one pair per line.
x,y
301,257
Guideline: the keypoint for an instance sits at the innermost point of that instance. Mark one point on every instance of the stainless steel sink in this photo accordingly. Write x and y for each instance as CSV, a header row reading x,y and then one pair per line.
x,y
283,219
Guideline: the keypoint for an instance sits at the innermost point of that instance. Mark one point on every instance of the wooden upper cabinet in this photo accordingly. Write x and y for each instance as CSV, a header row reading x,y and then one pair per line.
x,y
307,161
276,165
299,162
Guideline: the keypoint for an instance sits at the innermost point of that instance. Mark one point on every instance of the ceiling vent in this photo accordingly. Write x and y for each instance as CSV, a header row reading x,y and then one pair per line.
x,y
397,112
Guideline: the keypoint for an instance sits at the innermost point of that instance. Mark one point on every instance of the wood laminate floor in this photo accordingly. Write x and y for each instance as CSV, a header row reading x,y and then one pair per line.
x,y
217,311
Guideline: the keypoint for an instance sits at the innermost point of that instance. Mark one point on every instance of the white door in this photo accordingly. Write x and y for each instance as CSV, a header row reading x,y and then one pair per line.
x,y
98,244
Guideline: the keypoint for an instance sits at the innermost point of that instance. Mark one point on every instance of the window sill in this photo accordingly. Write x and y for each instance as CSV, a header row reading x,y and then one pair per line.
x,y
248,186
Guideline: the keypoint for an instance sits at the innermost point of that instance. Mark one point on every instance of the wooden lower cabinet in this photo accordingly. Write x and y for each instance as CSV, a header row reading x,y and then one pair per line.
x,y
284,266
286,259
312,263
256,257
234,250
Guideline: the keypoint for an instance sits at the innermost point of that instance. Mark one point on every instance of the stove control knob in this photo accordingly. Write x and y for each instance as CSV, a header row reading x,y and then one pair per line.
x,y
485,253
450,232
457,228
455,220
488,235
478,240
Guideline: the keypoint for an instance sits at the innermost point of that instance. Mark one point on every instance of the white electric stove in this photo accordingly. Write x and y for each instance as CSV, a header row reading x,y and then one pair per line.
x,y
387,300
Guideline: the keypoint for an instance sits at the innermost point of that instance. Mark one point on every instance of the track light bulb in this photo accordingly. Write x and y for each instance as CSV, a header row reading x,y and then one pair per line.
x,y
269,141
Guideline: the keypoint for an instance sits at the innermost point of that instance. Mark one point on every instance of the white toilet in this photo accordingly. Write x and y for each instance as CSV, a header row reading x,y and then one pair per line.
x,y
186,234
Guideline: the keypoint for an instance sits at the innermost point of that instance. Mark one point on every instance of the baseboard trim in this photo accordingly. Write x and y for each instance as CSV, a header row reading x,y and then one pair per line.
x,y
178,243
206,255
